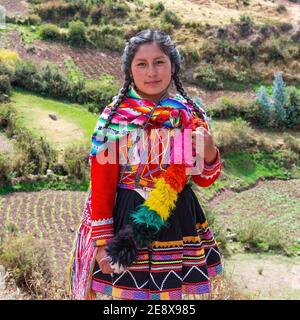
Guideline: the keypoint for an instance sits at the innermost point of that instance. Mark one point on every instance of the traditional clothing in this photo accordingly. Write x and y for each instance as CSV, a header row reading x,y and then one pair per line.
x,y
169,244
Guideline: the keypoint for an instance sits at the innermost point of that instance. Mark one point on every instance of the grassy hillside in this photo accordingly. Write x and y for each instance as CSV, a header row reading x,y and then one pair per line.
x,y
74,123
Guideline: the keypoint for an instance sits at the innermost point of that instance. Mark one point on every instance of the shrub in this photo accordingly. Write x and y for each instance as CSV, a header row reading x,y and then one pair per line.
x,y
5,169
27,76
5,86
274,52
228,107
156,9
206,77
50,32
115,9
190,54
8,119
99,92
106,37
9,58
76,162
77,33
58,10
292,106
236,136
34,19
96,14
291,143
265,108
279,100
261,234
288,158
171,17
38,153
28,261
53,81
167,27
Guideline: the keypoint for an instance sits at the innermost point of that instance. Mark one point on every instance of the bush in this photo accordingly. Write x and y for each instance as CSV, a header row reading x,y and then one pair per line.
x,y
58,10
190,54
261,235
96,14
5,169
76,159
292,106
206,77
172,18
9,58
8,119
291,143
99,92
236,136
288,158
5,86
77,33
282,110
228,107
264,112
38,154
114,9
106,37
156,9
167,27
53,82
28,261
27,76
50,32
34,19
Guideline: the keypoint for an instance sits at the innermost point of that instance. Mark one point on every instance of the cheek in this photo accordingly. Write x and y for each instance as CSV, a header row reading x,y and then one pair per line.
x,y
138,75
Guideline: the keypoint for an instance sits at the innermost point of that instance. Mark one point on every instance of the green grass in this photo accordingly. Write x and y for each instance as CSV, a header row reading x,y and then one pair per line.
x,y
242,170
46,185
25,102
268,87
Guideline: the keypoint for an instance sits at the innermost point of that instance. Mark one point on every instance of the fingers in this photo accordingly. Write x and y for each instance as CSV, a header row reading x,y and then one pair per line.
x,y
104,265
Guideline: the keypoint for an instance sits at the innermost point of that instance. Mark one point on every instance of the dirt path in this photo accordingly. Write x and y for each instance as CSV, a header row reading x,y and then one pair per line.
x,y
263,276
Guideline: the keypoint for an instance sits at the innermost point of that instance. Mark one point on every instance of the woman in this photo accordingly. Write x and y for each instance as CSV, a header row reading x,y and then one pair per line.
x,y
144,234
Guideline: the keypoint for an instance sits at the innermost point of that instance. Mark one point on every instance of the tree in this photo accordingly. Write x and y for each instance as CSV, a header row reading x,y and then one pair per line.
x,y
279,100
266,109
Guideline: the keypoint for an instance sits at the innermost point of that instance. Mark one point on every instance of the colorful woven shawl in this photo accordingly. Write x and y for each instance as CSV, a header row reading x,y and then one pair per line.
x,y
148,219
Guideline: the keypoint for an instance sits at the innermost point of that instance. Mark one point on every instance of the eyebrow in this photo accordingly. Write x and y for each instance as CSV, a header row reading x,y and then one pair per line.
x,y
160,57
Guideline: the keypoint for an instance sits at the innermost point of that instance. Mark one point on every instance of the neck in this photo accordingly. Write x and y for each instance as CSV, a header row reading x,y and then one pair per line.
x,y
157,98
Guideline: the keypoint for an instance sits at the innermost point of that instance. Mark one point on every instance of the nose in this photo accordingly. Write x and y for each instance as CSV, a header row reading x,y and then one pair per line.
x,y
152,72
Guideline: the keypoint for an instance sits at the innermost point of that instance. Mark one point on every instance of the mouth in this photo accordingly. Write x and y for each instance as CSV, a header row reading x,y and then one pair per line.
x,y
153,82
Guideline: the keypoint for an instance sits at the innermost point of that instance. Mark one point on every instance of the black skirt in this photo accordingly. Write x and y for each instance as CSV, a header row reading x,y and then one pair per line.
x,y
180,261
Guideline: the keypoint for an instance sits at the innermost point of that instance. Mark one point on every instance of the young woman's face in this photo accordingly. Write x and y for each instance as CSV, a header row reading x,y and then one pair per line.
x,y
151,71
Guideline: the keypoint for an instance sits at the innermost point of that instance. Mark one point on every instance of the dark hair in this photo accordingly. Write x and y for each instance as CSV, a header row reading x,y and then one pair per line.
x,y
167,46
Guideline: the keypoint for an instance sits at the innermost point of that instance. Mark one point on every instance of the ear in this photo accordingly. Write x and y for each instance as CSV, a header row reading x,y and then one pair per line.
x,y
173,70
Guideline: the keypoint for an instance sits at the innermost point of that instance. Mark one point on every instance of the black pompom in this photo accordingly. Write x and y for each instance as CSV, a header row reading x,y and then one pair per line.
x,y
123,248
143,234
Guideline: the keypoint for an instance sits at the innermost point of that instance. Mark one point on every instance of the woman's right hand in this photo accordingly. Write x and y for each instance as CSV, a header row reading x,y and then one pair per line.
x,y
103,262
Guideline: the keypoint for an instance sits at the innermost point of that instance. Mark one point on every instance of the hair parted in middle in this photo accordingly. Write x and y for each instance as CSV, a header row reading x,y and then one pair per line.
x,y
168,47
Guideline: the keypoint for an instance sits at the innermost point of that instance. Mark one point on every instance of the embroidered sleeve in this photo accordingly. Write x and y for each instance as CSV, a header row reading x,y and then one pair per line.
x,y
104,182
211,171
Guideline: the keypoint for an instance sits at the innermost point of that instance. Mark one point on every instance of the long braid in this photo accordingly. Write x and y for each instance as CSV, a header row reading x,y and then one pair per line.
x,y
181,90
120,98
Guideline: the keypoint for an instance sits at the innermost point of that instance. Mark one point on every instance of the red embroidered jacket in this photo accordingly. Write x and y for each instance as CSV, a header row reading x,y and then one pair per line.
x,y
105,179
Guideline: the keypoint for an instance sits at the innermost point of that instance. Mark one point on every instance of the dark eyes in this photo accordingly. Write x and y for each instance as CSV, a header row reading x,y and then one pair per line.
x,y
142,64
